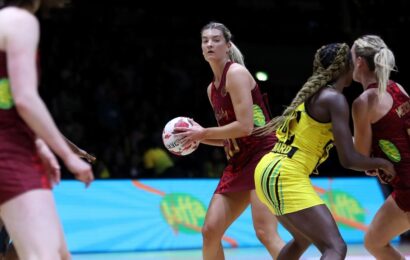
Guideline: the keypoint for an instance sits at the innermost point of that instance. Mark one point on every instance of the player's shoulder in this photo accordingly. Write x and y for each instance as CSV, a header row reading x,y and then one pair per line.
x,y
16,15
332,96
237,68
366,98
14,20
238,72
17,25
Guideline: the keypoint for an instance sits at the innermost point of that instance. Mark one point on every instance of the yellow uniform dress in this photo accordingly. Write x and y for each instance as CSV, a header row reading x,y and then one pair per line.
x,y
282,176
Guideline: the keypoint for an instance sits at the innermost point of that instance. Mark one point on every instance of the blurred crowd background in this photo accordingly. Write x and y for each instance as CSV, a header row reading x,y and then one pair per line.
x,y
114,73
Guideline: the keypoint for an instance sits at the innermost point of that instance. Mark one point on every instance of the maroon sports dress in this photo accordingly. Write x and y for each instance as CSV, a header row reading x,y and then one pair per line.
x,y
243,153
391,141
21,169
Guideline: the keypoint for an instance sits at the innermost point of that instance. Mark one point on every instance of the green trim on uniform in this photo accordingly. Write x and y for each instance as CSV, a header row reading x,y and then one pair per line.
x,y
272,183
265,180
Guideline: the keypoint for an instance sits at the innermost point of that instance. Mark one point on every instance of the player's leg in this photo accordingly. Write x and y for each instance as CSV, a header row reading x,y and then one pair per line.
x,y
33,224
317,224
294,249
266,225
222,211
389,221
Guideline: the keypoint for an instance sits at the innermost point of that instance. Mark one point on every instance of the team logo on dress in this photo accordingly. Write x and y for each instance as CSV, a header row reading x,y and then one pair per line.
x,y
6,99
390,150
258,116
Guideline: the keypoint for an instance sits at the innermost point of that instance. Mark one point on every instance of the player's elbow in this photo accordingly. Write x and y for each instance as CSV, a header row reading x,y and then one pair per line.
x,y
346,164
349,162
24,101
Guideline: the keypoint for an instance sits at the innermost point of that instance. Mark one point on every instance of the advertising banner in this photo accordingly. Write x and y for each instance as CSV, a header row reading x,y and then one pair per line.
x,y
137,215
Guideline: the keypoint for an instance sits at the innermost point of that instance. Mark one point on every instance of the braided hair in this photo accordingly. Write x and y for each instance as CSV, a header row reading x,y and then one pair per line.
x,y
330,62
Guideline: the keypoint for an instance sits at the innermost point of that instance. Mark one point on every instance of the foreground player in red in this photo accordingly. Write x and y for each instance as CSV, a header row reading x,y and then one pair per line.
x,y
381,128
28,134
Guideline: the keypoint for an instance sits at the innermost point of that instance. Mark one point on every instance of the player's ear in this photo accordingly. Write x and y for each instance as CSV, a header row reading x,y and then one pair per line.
x,y
360,62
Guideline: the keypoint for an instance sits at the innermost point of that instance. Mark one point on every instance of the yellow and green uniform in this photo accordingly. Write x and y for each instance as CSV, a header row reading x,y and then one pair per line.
x,y
282,176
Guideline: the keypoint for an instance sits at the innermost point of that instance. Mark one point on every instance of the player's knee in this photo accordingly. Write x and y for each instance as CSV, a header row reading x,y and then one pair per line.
x,y
341,247
336,244
211,232
370,241
263,235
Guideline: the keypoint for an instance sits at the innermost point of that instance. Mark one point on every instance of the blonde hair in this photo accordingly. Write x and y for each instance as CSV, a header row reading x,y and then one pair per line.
x,y
330,62
378,56
234,54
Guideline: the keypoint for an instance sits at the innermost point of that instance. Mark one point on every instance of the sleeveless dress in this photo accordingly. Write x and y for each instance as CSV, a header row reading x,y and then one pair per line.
x,y
390,140
21,169
282,176
242,153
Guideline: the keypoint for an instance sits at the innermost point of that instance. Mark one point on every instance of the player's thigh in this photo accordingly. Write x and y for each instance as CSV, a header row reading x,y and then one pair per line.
x,y
388,222
224,209
31,219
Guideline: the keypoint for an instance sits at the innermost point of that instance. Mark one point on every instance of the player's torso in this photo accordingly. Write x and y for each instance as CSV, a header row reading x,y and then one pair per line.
x,y
13,130
390,134
224,113
304,139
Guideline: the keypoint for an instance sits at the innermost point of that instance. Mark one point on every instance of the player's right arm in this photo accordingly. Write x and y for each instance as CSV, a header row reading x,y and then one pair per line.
x,y
21,43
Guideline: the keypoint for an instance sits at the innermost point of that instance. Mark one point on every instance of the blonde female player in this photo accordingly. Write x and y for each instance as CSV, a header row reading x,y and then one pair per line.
x,y
381,117
238,107
318,115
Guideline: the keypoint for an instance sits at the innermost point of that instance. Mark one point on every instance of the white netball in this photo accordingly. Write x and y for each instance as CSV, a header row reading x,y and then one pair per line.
x,y
172,143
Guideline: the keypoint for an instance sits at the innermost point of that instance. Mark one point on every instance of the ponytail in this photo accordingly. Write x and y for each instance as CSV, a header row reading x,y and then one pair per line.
x,y
378,56
384,63
235,54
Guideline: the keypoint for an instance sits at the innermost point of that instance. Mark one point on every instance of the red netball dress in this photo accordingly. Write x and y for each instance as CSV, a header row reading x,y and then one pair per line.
x,y
391,140
243,153
21,169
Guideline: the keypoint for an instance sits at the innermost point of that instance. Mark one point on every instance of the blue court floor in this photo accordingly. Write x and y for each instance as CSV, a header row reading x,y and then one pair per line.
x,y
355,252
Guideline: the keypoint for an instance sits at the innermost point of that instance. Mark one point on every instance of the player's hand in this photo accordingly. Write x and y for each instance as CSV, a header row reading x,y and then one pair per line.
x,y
387,173
50,163
81,170
374,172
188,135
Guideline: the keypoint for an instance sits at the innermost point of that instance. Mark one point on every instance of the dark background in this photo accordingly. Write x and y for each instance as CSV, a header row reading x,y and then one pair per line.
x,y
113,74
